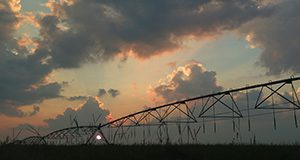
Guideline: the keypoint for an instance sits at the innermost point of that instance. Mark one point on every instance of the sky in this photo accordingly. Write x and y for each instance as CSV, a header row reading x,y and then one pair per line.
x,y
66,58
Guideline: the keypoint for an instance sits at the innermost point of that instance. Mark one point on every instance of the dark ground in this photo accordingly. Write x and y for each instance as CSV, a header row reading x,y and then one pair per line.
x,y
153,152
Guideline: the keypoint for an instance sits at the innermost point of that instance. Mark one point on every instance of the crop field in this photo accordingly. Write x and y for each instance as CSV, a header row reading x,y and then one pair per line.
x,y
152,152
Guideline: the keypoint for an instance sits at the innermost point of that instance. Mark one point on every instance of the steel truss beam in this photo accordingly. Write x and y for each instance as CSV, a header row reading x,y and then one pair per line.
x,y
124,128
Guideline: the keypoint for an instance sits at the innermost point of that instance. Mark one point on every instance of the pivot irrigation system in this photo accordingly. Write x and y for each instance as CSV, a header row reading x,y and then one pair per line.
x,y
183,121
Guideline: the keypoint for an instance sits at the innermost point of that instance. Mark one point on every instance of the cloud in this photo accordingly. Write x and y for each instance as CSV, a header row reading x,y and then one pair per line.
x,y
102,92
111,92
78,98
8,22
189,80
140,28
85,115
36,110
15,5
118,28
22,82
69,38
145,29
277,36
89,113
23,76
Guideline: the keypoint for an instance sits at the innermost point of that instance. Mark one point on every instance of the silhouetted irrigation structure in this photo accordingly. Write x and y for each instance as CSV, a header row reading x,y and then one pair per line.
x,y
181,122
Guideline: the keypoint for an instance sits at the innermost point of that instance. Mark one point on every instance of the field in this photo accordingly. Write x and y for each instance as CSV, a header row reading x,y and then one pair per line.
x,y
152,152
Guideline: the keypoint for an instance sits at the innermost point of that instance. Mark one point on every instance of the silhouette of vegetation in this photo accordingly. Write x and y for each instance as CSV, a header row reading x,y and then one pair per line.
x,y
152,152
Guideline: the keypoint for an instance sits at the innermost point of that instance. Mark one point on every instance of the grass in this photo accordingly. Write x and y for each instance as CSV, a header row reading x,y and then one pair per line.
x,y
152,152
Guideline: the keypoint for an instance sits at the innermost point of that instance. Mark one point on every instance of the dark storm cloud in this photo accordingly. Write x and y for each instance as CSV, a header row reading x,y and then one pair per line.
x,y
84,115
111,92
7,23
278,37
188,81
102,29
92,30
90,113
78,98
102,92
22,80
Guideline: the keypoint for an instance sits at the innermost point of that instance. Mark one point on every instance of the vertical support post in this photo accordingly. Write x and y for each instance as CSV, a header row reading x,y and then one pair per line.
x,y
233,120
131,132
248,111
122,134
274,116
180,132
203,122
160,134
148,122
110,133
167,134
214,116
189,133
203,125
144,140
295,114
134,134
187,126
295,118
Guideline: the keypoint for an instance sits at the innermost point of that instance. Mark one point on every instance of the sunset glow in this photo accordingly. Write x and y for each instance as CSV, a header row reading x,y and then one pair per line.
x,y
65,63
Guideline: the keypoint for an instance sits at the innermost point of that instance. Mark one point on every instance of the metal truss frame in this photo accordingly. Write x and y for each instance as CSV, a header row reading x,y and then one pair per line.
x,y
188,113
